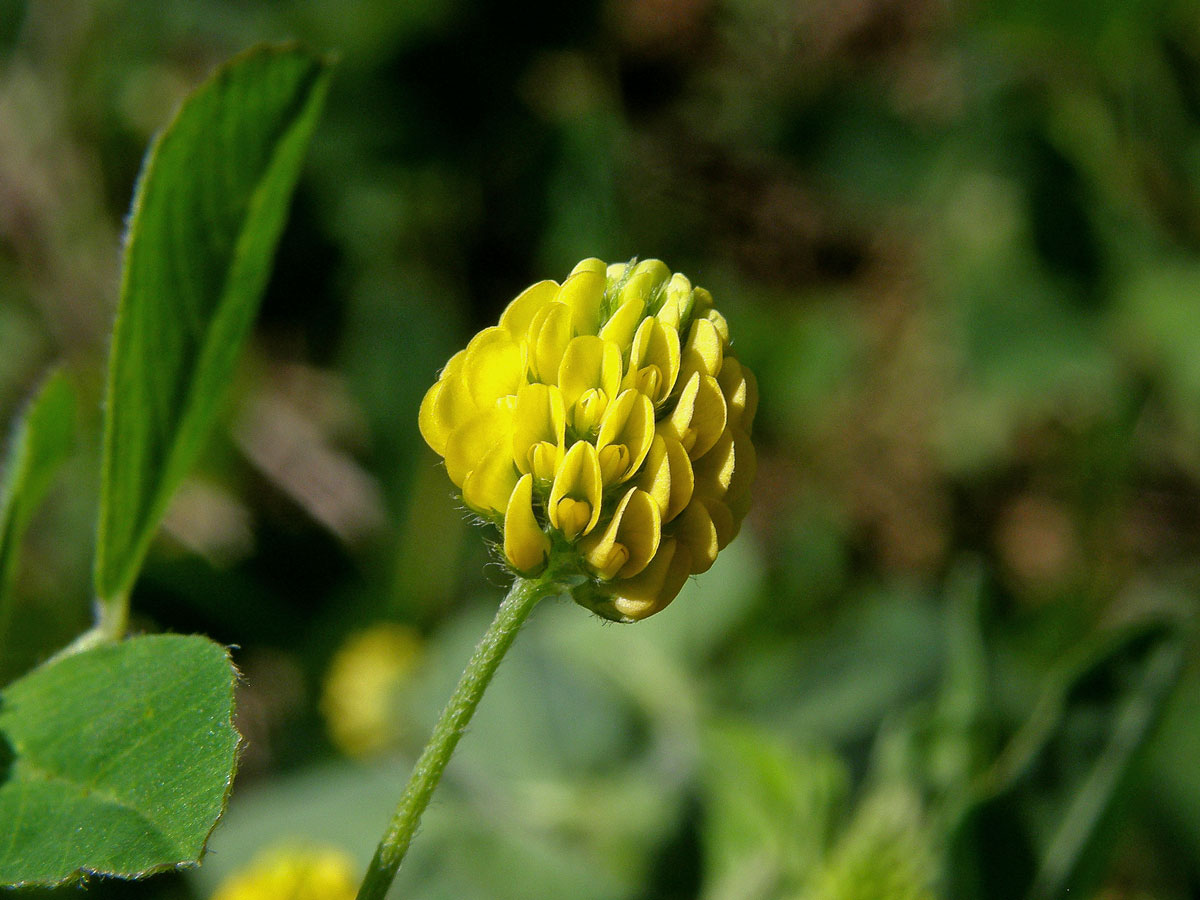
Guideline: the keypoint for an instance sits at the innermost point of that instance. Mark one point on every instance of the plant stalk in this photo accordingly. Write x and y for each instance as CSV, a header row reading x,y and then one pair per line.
x,y
112,616
112,619
522,597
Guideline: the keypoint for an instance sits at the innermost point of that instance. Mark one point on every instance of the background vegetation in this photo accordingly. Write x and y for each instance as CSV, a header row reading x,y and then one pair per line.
x,y
959,244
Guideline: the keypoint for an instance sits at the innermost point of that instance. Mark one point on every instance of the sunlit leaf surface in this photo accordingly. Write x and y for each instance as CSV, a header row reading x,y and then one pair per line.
x,y
116,761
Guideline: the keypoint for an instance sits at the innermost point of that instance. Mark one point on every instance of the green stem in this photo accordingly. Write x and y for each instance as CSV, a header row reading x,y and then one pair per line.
x,y
521,599
112,617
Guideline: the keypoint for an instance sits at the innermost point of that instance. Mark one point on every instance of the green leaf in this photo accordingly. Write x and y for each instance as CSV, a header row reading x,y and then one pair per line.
x,y
770,812
40,443
116,761
206,217
885,853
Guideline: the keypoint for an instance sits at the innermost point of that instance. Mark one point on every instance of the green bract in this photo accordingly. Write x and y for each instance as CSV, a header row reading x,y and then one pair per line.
x,y
604,425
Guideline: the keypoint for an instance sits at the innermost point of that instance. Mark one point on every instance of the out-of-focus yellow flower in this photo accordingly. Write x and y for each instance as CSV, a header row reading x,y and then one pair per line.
x,y
604,426
360,689
293,873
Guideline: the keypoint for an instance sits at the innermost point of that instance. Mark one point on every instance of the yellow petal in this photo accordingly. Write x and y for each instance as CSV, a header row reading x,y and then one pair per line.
x,y
615,272
667,476
703,351
544,459
654,359
677,298
525,544
652,589
699,416
695,530
574,505
583,292
494,366
740,390
591,264
715,469
490,483
723,521
647,380
624,322
434,424
644,282
629,542
718,322
626,432
738,497
475,438
432,430
572,516
539,418
748,413
520,312
614,463
588,410
549,333
445,406
589,362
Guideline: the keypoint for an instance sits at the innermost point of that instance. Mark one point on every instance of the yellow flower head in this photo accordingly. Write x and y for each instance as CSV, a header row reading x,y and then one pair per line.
x,y
604,426
293,873
364,677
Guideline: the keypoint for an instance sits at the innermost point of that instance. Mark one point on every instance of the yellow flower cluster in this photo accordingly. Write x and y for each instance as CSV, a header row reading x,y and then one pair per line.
x,y
293,873
364,680
604,426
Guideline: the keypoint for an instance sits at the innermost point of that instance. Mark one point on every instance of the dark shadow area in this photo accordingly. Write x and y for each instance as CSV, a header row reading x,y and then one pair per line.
x,y
7,757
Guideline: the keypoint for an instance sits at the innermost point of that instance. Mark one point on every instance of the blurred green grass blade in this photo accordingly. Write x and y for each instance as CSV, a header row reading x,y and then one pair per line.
x,y
208,211
939,747
40,443
1053,799
117,760
1084,680
1078,848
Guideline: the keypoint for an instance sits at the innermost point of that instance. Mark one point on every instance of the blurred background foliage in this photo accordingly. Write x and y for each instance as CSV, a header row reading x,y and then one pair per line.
x,y
959,243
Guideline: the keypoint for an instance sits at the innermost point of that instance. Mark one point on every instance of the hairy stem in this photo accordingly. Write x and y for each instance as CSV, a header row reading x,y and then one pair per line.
x,y
521,599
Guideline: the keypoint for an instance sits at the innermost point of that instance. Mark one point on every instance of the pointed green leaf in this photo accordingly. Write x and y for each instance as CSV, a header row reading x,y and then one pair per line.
x,y
40,443
208,212
117,760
